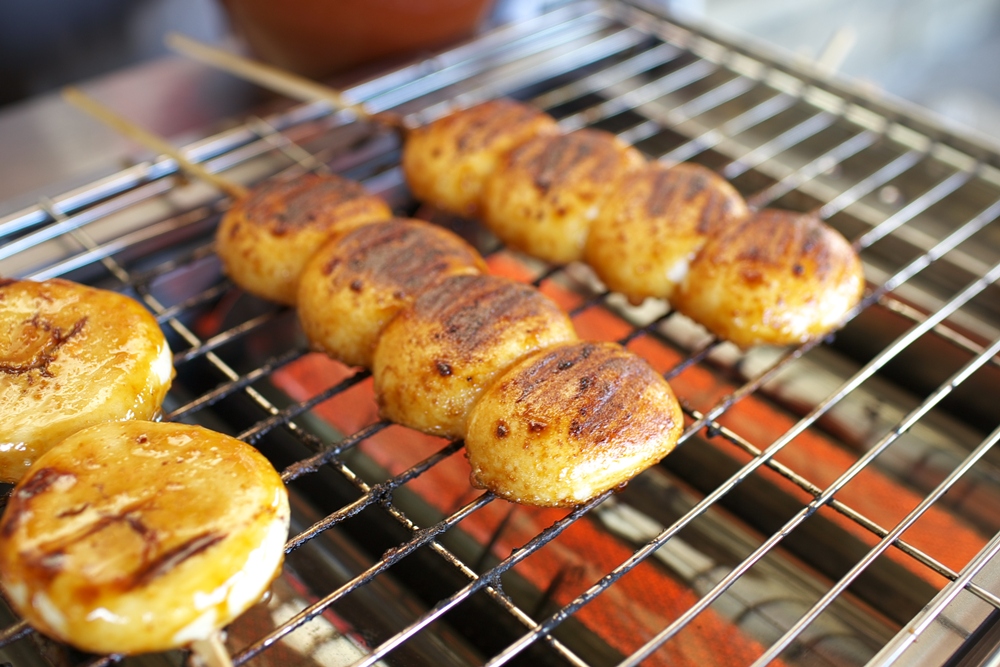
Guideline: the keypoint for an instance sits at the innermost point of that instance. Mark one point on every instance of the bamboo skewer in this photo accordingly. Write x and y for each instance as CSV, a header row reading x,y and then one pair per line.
x,y
210,652
126,127
273,78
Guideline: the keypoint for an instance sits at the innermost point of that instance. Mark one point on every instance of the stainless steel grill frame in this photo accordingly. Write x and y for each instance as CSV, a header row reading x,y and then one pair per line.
x,y
907,388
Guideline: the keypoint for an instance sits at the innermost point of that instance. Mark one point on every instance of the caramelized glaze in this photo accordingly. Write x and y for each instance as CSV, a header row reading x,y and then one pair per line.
x,y
138,536
72,356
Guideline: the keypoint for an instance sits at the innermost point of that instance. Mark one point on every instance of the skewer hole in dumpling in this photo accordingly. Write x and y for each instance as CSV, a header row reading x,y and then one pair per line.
x,y
653,225
265,239
546,193
778,278
567,423
356,282
436,356
72,356
447,161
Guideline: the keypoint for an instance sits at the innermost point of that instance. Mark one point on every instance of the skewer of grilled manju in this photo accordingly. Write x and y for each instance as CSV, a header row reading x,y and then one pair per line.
x,y
454,339
455,332
640,227
271,230
445,163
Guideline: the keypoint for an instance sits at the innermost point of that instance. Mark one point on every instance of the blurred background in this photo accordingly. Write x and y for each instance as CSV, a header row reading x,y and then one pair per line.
x,y
940,54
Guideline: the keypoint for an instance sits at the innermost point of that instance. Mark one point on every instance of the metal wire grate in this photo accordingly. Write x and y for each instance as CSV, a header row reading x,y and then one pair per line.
x,y
828,504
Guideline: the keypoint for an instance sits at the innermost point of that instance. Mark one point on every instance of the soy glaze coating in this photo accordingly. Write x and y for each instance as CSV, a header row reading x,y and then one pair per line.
x,y
567,423
358,281
546,193
436,356
265,240
447,161
778,278
133,537
654,224
72,356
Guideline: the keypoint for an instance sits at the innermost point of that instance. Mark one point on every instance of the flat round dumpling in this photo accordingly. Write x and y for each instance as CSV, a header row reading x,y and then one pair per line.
x,y
72,356
132,537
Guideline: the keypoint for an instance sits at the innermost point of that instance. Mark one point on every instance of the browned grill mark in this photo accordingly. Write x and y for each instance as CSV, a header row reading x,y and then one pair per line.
x,y
50,349
73,511
284,205
776,238
39,482
663,191
609,383
474,311
588,155
17,507
401,253
493,120
170,559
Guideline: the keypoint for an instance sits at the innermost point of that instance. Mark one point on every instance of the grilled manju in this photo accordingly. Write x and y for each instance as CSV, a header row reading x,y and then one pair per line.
x,y
265,240
436,356
545,194
139,536
777,278
72,356
567,423
654,224
446,162
354,285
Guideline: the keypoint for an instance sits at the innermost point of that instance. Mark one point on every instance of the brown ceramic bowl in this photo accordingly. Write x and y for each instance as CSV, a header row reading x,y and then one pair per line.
x,y
317,38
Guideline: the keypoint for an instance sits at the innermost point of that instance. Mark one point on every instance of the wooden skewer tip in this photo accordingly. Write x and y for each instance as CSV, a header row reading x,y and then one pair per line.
x,y
210,652
95,109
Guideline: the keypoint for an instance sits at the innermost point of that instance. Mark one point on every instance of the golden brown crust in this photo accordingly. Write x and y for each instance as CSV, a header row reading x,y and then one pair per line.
x,y
265,240
779,278
447,161
140,536
355,284
72,356
545,193
654,224
434,358
569,422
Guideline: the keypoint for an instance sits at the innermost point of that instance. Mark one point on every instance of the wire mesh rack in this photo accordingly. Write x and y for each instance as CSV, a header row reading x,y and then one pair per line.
x,y
831,504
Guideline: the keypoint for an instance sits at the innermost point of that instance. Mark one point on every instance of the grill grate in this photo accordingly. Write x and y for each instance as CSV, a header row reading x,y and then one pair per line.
x,y
827,504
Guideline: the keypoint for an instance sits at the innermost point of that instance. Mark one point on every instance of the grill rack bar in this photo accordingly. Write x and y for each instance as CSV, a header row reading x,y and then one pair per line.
x,y
707,420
